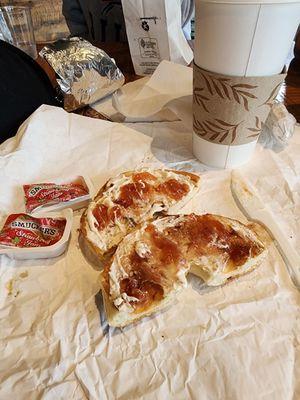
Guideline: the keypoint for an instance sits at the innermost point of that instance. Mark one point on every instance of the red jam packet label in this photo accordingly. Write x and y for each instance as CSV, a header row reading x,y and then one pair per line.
x,y
22,230
42,194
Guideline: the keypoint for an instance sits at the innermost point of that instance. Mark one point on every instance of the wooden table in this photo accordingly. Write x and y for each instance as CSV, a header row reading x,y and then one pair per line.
x,y
289,93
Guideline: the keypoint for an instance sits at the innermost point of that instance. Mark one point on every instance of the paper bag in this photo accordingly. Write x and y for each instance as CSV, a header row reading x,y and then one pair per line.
x,y
154,34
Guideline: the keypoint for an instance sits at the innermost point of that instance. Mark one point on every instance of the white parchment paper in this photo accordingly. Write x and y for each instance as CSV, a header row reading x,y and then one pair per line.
x,y
240,341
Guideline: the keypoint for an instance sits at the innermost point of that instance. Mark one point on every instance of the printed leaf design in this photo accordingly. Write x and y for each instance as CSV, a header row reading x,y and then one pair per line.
x,y
212,124
244,85
251,95
236,97
200,98
217,129
256,129
199,128
223,79
270,100
217,88
209,128
233,134
207,84
223,137
225,90
257,122
245,103
222,87
224,123
213,137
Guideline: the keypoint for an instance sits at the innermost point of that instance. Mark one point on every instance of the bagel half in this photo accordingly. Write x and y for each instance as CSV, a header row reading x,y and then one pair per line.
x,y
150,265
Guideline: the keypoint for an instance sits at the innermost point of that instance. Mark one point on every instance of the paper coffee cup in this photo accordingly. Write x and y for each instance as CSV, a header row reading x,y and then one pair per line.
x,y
241,38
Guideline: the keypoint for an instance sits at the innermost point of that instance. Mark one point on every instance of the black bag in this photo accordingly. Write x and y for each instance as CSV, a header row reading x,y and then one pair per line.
x,y
24,86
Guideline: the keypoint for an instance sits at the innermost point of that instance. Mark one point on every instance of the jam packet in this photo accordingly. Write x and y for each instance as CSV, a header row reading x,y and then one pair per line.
x,y
39,195
22,230
24,236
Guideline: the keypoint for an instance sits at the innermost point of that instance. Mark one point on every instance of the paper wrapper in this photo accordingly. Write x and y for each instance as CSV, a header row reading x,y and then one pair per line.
x,y
170,81
240,341
230,110
165,96
154,33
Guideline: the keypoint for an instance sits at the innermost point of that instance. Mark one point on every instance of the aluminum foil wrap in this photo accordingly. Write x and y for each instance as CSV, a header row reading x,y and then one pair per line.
x,y
86,73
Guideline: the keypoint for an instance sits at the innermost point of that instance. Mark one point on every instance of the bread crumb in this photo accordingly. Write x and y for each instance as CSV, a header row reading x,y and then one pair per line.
x,y
9,286
12,285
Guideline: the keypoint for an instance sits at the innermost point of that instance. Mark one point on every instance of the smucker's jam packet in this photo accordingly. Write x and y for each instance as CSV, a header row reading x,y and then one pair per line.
x,y
38,195
22,230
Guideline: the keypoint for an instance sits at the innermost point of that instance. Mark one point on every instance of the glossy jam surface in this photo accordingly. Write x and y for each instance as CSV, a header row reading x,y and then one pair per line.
x,y
144,290
173,189
166,250
206,235
143,176
149,275
132,193
142,190
104,215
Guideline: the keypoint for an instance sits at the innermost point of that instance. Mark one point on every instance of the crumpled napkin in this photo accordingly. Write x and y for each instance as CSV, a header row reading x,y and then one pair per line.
x,y
107,109
165,96
278,128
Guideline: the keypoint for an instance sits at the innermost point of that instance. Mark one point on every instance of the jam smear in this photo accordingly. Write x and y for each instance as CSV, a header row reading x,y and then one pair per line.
x,y
143,176
104,215
142,276
143,187
173,189
166,249
131,193
140,286
147,274
203,234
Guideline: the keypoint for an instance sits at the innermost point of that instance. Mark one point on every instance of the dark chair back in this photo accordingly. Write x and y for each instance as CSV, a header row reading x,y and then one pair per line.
x,y
24,86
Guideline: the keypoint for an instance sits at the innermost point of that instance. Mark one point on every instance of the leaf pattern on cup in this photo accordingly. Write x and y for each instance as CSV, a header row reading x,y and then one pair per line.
x,y
222,88
230,109
257,129
216,130
270,100
200,98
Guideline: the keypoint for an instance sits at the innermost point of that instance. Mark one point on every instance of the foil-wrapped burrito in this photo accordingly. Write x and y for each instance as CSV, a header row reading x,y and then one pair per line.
x,y
86,73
